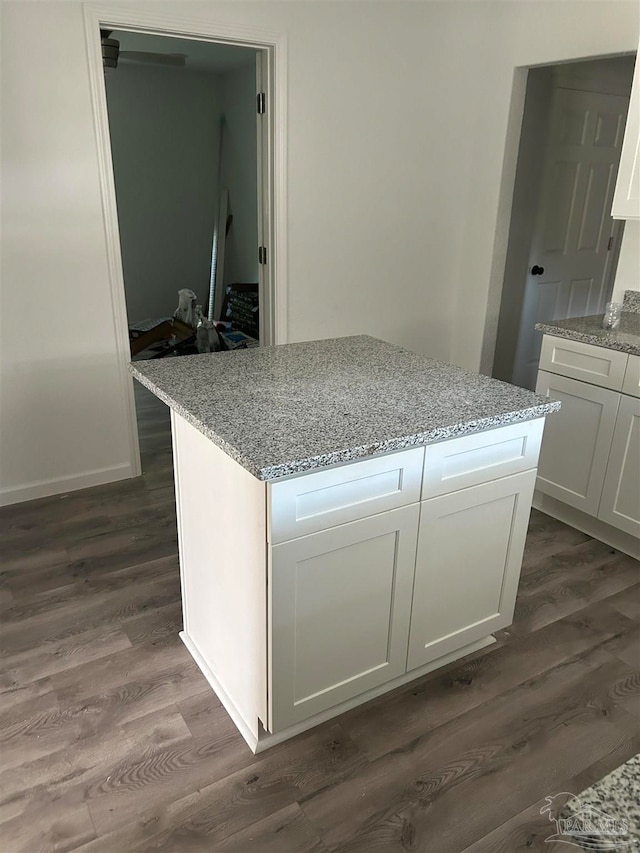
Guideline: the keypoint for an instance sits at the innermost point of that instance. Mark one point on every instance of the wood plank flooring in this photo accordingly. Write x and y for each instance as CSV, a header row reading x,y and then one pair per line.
x,y
111,740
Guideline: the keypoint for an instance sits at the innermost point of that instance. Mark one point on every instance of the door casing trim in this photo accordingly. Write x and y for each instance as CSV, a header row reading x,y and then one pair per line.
x,y
274,209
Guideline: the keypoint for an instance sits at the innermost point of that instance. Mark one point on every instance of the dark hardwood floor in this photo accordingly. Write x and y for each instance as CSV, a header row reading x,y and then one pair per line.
x,y
113,741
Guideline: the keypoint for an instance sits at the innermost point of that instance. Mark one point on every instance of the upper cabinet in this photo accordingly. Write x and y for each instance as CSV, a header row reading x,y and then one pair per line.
x,y
626,201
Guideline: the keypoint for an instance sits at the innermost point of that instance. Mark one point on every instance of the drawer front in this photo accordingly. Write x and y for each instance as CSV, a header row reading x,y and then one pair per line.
x,y
474,459
631,383
314,502
596,365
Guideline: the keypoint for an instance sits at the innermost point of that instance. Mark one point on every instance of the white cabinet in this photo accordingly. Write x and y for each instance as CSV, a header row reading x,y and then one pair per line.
x,y
590,456
626,200
352,607
575,450
340,608
620,505
304,597
468,562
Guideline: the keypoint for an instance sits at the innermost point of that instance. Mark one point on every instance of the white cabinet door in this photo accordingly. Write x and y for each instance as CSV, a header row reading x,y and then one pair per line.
x,y
340,609
576,442
631,384
620,505
470,546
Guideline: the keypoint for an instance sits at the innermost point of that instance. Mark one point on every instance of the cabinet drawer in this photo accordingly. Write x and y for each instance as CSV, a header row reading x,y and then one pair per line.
x,y
631,383
474,459
596,365
313,502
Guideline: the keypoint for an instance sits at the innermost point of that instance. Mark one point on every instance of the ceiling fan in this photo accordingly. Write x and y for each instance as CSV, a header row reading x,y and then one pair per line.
x,y
111,53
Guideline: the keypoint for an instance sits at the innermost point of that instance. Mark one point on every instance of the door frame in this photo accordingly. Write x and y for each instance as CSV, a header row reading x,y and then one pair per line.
x,y
505,203
274,159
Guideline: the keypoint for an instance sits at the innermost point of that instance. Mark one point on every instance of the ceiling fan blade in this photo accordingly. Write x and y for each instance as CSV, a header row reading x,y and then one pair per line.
x,y
175,59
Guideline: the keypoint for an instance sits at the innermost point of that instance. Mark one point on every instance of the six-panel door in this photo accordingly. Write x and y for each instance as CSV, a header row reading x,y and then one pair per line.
x,y
340,609
468,562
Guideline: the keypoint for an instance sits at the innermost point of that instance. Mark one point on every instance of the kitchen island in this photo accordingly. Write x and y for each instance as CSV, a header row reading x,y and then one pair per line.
x,y
351,515
588,471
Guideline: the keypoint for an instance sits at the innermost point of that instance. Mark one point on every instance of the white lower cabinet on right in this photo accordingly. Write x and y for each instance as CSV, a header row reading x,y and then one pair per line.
x,y
620,504
575,449
590,457
470,546
340,608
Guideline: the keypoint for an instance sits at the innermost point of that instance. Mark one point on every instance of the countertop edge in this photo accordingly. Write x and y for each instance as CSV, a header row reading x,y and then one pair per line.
x,y
587,338
229,449
270,473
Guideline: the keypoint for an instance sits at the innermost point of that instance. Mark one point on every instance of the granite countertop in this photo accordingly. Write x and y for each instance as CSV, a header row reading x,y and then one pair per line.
x,y
287,409
589,330
607,815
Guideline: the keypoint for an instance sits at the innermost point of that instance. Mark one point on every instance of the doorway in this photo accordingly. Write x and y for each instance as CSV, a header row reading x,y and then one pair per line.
x,y
183,127
270,50
563,244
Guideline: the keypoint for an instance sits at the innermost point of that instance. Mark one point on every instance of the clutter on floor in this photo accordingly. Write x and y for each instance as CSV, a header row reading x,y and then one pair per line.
x,y
189,332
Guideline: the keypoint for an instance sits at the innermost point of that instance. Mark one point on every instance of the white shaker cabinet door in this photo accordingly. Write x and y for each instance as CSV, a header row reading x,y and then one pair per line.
x,y
620,505
576,442
470,546
340,609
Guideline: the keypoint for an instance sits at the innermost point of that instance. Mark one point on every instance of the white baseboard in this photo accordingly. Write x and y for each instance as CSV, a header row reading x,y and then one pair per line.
x,y
618,539
60,485
266,739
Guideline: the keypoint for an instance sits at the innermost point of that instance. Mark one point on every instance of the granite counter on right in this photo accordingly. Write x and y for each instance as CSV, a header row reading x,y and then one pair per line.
x,y
590,458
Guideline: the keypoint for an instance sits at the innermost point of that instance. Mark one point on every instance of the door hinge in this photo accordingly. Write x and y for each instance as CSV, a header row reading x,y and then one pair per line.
x,y
262,103
610,244
262,254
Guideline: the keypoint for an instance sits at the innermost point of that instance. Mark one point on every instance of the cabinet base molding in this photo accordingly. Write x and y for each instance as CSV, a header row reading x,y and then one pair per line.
x,y
266,739
618,539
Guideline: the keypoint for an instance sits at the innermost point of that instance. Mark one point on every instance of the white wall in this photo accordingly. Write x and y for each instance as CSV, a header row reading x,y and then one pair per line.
x,y
240,172
628,271
61,405
164,125
398,117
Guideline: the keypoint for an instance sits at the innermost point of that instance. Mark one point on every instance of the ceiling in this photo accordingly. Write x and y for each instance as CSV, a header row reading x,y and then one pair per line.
x,y
201,55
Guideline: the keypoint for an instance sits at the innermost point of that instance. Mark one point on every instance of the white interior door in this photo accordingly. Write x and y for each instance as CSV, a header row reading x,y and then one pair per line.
x,y
572,251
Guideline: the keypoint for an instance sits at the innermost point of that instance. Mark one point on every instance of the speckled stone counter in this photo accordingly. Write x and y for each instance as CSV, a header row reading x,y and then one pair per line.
x,y
287,409
616,797
631,301
589,330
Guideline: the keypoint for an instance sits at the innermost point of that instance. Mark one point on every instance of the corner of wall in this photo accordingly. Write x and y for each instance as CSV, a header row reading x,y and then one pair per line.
x,y
628,272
